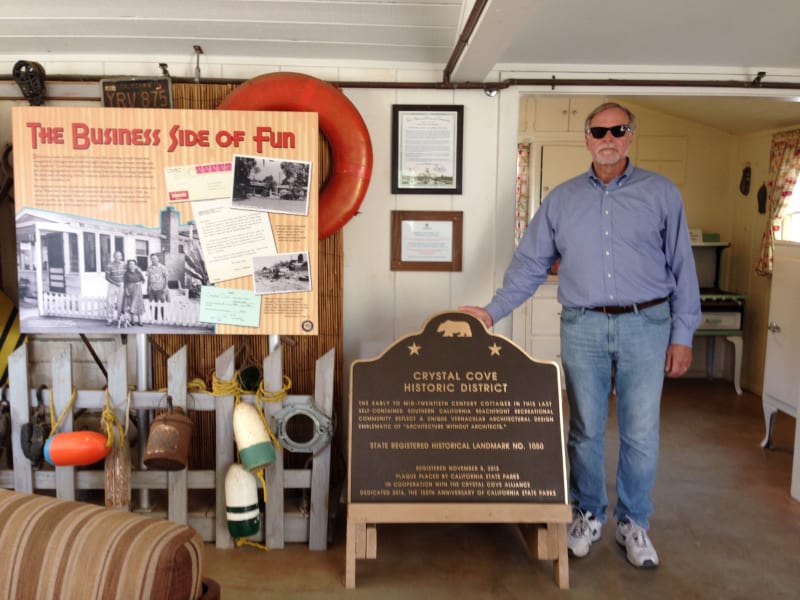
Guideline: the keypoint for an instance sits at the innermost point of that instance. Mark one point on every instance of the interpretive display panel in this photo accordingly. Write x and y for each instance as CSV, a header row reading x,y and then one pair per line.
x,y
456,414
166,221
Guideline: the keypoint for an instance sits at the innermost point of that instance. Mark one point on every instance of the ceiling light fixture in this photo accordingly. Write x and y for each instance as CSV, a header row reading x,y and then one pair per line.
x,y
491,92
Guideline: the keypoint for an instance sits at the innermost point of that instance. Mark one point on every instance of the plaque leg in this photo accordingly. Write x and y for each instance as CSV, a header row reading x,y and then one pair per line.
x,y
561,564
548,544
350,554
371,541
361,541
535,538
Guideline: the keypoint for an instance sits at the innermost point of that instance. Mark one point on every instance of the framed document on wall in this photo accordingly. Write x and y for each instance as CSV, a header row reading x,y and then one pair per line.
x,y
426,240
427,148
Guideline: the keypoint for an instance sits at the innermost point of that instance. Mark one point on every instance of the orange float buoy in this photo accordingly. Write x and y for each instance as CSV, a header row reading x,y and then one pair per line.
x,y
75,448
351,149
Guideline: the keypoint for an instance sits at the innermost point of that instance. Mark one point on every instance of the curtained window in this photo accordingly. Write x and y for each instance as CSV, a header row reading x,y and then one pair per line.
x,y
790,223
784,167
523,194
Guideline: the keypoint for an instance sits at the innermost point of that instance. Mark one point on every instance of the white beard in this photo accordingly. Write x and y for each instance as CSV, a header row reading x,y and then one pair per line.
x,y
608,158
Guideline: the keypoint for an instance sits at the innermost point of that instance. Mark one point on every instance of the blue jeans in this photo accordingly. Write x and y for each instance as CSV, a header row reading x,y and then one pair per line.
x,y
632,349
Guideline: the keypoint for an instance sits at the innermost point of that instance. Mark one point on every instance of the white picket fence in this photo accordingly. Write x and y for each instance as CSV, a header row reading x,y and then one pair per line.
x,y
279,526
178,311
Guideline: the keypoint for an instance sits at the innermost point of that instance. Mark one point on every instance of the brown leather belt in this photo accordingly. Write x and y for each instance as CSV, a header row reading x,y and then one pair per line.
x,y
621,310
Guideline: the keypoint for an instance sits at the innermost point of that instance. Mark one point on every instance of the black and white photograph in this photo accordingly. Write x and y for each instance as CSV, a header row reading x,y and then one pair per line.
x,y
281,273
271,184
88,275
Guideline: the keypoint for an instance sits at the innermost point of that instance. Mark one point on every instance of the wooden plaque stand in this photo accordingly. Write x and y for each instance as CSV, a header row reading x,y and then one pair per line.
x,y
543,527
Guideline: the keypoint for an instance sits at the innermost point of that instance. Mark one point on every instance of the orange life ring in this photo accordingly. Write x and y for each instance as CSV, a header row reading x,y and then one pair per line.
x,y
351,149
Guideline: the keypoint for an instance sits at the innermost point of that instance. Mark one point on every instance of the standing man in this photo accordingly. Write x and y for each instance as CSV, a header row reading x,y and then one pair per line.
x,y
115,275
631,302
157,285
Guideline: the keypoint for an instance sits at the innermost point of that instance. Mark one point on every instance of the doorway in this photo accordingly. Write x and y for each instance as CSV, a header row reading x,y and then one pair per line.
x,y
53,263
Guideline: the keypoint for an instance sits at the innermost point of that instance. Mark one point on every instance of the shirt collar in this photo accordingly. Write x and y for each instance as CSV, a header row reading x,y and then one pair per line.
x,y
619,180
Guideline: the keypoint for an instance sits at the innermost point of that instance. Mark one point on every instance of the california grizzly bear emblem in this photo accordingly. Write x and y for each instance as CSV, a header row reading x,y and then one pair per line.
x,y
454,329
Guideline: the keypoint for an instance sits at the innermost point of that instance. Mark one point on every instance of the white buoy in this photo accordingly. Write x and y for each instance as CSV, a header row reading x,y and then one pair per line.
x,y
255,447
241,502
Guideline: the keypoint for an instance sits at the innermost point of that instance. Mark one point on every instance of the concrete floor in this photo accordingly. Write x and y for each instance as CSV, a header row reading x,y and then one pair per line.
x,y
724,526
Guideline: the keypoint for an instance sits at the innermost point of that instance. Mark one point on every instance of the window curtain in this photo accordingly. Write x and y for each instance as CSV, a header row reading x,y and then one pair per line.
x,y
784,166
523,194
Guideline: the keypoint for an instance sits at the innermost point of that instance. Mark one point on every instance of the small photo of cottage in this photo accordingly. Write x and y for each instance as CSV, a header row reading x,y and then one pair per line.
x,y
281,273
271,185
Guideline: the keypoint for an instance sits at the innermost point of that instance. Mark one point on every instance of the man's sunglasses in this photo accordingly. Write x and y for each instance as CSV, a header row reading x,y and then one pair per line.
x,y
617,131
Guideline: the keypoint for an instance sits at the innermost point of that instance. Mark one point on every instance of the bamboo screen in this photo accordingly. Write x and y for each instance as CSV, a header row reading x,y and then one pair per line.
x,y
300,353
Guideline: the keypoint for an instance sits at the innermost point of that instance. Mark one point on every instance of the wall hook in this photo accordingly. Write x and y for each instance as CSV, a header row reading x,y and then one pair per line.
x,y
197,52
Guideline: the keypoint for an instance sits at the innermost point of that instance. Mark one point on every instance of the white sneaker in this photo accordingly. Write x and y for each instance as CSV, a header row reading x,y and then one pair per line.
x,y
637,544
582,532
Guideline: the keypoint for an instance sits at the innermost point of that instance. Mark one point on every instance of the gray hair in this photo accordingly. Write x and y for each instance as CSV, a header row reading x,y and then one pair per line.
x,y
605,106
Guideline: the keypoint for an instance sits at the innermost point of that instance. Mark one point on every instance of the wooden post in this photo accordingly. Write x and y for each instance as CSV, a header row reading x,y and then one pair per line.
x,y
224,439
352,552
118,380
118,394
62,390
177,510
561,562
20,401
274,512
320,467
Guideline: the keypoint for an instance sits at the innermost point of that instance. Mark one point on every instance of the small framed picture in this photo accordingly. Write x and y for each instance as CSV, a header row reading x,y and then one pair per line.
x,y
426,240
427,148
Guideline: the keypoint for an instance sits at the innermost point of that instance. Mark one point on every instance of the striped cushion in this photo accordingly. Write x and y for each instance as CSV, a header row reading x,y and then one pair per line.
x,y
55,549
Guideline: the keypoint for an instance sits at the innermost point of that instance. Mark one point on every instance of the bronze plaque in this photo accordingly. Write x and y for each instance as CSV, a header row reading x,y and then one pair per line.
x,y
137,92
456,414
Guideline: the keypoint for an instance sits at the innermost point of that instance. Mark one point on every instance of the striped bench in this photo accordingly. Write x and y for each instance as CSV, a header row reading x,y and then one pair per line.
x,y
60,549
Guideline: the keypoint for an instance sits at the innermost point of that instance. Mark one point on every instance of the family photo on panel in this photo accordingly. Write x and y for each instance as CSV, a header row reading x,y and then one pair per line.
x,y
127,285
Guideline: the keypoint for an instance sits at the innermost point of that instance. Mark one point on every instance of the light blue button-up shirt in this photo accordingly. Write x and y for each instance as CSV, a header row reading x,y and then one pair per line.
x,y
620,244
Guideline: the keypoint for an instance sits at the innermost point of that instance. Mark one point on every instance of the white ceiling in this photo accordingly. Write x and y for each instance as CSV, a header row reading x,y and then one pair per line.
x,y
686,38
737,116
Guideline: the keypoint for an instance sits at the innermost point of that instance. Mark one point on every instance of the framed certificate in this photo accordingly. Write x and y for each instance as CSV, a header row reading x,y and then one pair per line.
x,y
426,240
427,147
